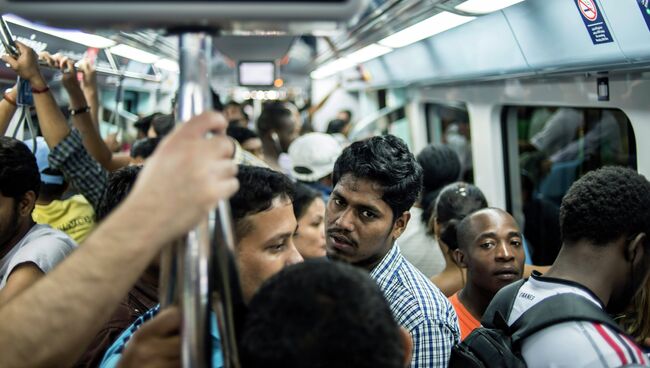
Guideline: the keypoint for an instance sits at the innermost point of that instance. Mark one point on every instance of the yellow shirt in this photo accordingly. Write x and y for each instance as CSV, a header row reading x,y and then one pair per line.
x,y
74,216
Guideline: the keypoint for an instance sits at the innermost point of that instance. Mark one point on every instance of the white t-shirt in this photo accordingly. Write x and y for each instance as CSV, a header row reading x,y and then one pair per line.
x,y
571,344
419,248
42,245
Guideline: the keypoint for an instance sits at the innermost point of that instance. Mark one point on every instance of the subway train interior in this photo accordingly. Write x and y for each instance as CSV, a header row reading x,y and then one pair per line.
x,y
531,95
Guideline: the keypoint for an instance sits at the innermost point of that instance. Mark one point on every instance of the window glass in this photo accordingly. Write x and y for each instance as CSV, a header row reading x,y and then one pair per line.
x,y
548,149
449,124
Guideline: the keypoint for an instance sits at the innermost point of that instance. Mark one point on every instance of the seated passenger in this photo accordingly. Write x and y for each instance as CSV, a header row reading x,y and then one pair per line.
x,y
27,250
490,247
313,156
248,140
74,215
264,228
440,166
309,208
454,202
322,315
605,258
376,181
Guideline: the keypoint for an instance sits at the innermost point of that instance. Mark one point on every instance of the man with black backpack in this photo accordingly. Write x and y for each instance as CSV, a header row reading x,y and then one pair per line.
x,y
561,319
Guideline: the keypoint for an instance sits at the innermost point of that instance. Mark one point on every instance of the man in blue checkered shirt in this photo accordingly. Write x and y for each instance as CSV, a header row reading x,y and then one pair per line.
x,y
376,181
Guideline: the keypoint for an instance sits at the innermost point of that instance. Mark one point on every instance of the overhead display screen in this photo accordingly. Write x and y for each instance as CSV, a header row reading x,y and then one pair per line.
x,y
256,73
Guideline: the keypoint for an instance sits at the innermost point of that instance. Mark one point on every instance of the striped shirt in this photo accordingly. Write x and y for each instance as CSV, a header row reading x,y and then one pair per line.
x,y
420,307
571,344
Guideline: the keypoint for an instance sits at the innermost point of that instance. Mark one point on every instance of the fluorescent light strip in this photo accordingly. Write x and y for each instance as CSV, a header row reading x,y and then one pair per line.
x,y
169,65
86,39
485,6
134,54
332,68
368,53
429,27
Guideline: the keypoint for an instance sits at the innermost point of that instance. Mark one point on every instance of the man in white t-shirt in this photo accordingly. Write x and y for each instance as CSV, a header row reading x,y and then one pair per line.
x,y
27,250
605,258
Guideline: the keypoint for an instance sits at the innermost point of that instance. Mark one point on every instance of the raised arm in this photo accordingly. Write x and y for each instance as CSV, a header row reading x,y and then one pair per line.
x,y
89,87
49,324
7,109
51,120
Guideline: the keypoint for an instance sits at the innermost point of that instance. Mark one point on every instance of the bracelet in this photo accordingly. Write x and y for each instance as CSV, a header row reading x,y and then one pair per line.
x,y
37,91
9,99
81,110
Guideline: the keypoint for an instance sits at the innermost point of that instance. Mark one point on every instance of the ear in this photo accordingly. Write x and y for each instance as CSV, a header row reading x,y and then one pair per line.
x,y
407,343
635,248
26,204
459,257
400,224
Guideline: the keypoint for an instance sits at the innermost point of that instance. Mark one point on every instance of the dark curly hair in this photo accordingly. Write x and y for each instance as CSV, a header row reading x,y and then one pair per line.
x,y
120,183
455,202
440,166
604,205
321,314
240,134
144,147
258,187
18,170
304,196
386,160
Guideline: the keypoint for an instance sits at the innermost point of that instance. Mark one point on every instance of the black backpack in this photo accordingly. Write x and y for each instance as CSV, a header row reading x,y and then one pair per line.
x,y
496,344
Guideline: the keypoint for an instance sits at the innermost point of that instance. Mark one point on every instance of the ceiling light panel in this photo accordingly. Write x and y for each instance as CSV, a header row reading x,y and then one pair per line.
x,y
485,6
134,54
86,39
429,27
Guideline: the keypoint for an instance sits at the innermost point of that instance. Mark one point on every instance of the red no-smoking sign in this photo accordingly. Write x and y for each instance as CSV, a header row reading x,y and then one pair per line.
x,y
588,9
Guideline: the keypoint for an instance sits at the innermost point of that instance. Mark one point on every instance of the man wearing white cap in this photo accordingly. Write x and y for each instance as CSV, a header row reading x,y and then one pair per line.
x,y
313,156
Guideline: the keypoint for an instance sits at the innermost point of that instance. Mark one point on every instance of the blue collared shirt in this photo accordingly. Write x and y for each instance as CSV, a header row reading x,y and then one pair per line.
x,y
420,307
114,353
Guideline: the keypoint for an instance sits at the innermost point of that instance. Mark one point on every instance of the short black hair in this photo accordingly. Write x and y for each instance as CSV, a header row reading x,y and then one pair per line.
x,y
143,124
464,231
304,196
348,113
455,202
440,166
272,116
144,147
120,183
386,160
258,187
604,205
336,126
163,124
240,134
321,314
18,170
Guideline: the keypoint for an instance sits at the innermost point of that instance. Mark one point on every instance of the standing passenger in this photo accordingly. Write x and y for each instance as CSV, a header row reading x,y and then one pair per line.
x,y
309,208
376,181
490,247
278,127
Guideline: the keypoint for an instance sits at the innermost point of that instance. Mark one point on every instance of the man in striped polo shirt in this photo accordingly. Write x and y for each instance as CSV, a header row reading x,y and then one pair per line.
x,y
605,257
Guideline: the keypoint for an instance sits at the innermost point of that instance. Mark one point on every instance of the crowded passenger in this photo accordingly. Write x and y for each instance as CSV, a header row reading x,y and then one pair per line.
x,y
440,166
309,208
143,125
313,156
235,115
454,203
264,228
605,219
322,315
247,139
27,250
142,149
490,247
376,181
278,126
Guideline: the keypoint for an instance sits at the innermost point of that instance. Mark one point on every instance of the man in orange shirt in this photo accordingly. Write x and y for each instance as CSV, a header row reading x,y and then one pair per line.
x,y
491,248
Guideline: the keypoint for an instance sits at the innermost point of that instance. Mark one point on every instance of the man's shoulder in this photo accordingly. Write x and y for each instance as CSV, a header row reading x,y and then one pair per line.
x,y
599,346
41,235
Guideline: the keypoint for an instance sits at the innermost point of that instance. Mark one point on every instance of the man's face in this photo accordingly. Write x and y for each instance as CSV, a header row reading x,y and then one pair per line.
x,y
288,131
268,247
360,226
233,112
9,216
495,256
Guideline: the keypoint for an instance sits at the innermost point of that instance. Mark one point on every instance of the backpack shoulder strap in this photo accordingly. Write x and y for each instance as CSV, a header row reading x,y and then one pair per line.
x,y
497,313
557,309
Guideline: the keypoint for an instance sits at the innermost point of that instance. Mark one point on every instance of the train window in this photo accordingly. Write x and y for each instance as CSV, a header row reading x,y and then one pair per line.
x,y
449,124
547,149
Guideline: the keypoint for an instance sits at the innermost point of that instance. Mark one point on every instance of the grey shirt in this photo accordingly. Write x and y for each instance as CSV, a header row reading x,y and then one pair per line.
x,y
42,245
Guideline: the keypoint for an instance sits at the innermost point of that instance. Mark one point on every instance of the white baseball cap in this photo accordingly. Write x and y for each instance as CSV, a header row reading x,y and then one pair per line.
x,y
313,156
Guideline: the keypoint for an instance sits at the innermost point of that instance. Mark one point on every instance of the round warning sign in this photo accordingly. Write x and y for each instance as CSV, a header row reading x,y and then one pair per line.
x,y
588,9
